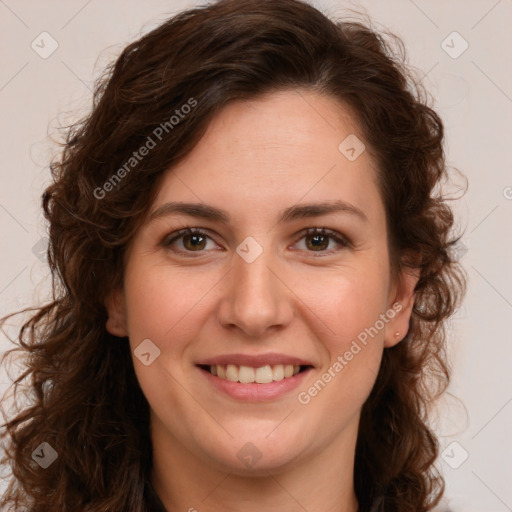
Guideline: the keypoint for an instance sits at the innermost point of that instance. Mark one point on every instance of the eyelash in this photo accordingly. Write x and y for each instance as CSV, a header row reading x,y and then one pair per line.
x,y
168,240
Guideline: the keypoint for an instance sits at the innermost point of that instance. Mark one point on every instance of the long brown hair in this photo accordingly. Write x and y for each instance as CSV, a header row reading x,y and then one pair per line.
x,y
84,398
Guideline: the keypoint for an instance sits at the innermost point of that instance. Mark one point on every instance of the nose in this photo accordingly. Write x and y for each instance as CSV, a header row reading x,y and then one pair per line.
x,y
255,298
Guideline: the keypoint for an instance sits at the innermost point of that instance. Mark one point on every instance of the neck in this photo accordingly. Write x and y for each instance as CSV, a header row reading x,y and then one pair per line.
x,y
319,483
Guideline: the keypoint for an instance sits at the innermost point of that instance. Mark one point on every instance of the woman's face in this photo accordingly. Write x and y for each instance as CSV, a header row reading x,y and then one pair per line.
x,y
256,292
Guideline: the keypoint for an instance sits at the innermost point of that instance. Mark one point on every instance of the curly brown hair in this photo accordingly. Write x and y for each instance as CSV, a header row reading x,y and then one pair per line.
x,y
84,398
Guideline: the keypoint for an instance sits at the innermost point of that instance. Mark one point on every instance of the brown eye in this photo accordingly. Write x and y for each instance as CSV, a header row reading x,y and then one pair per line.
x,y
192,241
319,240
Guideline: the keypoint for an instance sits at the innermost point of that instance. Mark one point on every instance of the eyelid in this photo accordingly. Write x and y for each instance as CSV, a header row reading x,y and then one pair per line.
x,y
338,237
187,230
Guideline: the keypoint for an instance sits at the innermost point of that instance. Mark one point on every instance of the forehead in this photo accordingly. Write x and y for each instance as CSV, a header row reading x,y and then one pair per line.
x,y
273,151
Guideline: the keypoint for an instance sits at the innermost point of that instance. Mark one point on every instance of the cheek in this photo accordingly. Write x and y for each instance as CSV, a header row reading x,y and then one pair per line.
x,y
351,348
160,302
162,305
347,303
349,309
352,354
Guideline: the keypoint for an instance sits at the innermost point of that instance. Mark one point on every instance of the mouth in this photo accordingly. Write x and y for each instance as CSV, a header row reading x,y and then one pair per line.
x,y
254,378
265,374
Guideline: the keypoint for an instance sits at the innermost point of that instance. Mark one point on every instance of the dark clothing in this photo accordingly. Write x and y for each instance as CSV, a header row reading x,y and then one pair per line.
x,y
153,502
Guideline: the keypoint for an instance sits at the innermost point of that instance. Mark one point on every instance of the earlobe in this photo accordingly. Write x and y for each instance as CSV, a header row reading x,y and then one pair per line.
x,y
402,303
116,321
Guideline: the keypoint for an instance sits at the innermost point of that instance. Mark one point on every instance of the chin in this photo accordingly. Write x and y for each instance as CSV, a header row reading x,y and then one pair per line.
x,y
258,454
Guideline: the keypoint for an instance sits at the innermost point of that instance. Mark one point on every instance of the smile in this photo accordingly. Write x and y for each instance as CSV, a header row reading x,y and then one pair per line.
x,y
248,374
258,382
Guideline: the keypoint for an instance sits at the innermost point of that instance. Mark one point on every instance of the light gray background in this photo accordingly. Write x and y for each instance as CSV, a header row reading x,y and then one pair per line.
x,y
473,94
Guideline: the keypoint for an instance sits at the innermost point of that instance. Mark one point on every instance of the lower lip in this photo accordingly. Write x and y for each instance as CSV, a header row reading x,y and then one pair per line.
x,y
254,392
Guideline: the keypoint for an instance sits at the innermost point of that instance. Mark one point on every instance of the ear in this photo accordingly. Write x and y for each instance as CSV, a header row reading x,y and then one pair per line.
x,y
401,301
116,322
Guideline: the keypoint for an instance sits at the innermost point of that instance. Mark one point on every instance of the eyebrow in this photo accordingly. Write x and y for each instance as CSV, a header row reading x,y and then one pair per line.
x,y
296,212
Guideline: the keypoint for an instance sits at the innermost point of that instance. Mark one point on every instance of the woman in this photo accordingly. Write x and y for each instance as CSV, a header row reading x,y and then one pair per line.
x,y
252,273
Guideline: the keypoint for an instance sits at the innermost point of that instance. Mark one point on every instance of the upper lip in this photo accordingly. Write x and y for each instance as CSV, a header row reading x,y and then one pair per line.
x,y
255,361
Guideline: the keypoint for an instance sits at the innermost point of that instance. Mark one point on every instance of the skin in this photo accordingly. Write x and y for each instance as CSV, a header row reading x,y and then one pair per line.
x,y
257,158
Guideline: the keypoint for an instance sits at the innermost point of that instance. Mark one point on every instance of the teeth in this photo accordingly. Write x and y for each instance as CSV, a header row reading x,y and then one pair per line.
x,y
278,372
232,373
248,374
264,374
